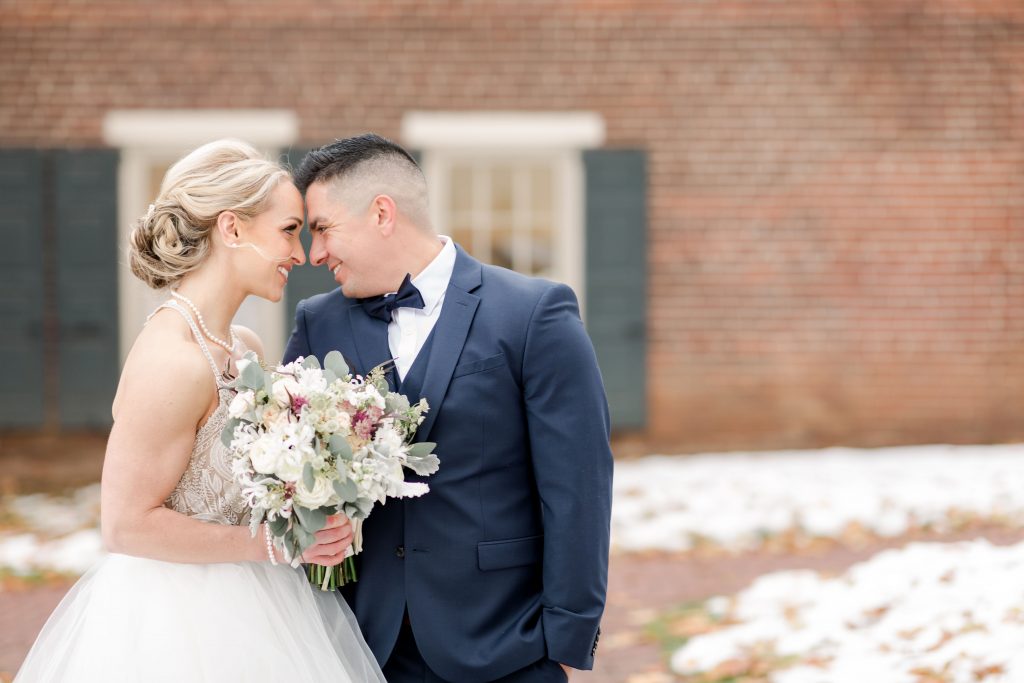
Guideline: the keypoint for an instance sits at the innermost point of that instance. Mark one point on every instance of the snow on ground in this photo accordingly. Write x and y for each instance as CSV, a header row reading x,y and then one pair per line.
x,y
52,533
736,500
731,500
927,612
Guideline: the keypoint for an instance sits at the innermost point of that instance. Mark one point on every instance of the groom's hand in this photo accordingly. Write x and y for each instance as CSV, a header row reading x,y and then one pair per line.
x,y
331,542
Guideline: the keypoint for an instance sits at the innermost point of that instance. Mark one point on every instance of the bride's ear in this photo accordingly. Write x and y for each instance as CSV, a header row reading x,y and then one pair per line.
x,y
227,228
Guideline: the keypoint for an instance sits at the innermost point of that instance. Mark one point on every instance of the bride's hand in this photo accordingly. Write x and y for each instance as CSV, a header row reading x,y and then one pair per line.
x,y
331,542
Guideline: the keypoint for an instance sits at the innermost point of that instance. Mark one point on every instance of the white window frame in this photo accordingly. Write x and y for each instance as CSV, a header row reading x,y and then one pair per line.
x,y
558,138
150,137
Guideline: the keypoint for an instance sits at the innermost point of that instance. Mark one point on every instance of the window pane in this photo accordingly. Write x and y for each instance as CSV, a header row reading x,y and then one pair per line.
x,y
543,253
502,212
501,189
502,247
541,189
461,189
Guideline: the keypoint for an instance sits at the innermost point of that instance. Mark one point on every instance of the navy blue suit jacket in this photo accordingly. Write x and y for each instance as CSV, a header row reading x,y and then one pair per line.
x,y
505,561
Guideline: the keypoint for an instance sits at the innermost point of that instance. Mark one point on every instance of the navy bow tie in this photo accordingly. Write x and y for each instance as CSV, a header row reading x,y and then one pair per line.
x,y
407,296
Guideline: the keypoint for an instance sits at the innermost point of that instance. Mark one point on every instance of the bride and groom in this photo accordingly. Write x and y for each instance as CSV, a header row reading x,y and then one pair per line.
x,y
498,574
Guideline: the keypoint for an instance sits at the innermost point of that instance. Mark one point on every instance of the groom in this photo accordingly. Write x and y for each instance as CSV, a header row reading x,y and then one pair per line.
x,y
499,573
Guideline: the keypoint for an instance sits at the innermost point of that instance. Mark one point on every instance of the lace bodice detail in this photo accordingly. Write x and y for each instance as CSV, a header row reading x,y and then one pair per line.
x,y
207,490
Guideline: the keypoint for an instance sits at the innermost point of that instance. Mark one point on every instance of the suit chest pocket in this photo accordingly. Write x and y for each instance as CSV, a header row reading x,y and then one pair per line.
x,y
472,367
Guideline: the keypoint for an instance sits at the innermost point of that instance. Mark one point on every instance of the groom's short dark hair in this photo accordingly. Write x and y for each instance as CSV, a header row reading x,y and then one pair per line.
x,y
337,158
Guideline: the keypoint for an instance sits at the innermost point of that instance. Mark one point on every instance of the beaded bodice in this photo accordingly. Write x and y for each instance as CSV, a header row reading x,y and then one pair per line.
x,y
207,490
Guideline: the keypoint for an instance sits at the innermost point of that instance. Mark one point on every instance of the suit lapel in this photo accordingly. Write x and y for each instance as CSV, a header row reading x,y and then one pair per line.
x,y
450,334
371,339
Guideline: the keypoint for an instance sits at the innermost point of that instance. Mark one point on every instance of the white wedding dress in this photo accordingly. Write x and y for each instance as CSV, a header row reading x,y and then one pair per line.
x,y
131,619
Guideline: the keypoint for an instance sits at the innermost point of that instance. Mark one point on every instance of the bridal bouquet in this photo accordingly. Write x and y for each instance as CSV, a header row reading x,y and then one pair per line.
x,y
309,442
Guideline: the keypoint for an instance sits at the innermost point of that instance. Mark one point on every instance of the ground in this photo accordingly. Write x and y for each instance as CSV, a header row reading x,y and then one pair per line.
x,y
653,591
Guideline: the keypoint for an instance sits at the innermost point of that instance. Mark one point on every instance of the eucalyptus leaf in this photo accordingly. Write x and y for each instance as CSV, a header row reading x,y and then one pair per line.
x,y
339,446
421,449
311,520
346,490
329,376
303,538
252,376
311,363
364,505
335,362
396,403
278,526
268,383
424,465
307,477
227,435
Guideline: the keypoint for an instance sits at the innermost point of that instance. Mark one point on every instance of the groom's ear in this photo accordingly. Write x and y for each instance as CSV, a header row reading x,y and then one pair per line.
x,y
385,213
227,227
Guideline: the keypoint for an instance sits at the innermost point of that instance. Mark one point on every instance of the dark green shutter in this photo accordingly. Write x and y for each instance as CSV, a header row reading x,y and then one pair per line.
x,y
304,281
87,295
616,278
21,288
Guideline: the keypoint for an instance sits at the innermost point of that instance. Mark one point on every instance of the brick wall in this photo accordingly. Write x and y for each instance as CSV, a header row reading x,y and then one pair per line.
x,y
836,188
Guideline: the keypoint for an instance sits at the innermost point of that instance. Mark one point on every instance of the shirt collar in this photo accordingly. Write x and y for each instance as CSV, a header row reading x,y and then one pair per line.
x,y
433,280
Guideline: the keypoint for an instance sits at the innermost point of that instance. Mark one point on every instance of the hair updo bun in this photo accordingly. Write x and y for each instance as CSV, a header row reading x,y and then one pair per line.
x,y
173,238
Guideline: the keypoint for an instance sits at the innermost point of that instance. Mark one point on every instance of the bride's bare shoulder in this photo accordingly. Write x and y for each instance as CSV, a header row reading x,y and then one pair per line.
x,y
250,339
165,361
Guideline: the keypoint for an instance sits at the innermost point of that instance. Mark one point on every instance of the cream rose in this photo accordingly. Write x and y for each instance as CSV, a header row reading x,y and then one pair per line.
x,y
241,404
320,494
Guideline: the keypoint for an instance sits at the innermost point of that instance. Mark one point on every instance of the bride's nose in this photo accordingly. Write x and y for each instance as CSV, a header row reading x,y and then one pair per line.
x,y
299,255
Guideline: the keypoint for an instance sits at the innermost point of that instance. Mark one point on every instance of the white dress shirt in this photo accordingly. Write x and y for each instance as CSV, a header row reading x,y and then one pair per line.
x,y
410,327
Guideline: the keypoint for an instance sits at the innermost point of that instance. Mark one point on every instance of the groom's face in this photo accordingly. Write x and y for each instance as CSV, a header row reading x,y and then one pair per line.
x,y
347,240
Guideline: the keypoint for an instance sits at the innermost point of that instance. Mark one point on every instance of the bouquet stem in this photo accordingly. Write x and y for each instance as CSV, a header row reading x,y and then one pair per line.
x,y
332,578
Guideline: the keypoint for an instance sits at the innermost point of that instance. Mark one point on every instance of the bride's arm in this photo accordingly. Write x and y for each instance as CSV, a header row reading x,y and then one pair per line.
x,y
166,389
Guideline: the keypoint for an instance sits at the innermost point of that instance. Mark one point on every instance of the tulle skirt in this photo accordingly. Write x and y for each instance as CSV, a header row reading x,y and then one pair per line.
x,y
134,619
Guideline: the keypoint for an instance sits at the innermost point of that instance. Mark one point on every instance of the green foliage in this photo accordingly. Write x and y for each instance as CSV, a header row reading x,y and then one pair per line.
x,y
228,433
339,446
346,490
252,376
335,362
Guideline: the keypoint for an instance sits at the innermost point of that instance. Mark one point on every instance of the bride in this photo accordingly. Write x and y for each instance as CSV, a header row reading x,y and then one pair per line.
x,y
186,593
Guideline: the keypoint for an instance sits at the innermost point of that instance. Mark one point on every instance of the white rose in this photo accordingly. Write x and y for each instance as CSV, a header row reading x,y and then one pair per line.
x,y
241,404
264,455
312,382
370,393
283,387
321,494
289,465
296,449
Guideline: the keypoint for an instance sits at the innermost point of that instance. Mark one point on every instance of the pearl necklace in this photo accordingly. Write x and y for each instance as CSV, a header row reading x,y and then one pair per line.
x,y
230,348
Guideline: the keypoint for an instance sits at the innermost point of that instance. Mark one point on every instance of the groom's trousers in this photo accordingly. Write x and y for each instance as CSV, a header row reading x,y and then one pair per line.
x,y
406,665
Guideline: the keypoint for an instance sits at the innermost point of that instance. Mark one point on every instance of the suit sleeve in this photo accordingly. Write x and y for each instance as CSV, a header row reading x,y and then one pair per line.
x,y
569,430
298,342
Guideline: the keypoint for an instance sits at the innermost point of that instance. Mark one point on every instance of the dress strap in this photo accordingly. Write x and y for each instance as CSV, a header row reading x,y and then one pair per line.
x,y
175,306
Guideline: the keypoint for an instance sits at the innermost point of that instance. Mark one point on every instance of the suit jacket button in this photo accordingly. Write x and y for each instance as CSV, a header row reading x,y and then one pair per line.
x,y
400,551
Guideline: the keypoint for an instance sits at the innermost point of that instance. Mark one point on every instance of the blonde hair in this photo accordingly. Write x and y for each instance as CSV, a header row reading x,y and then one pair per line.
x,y
173,238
